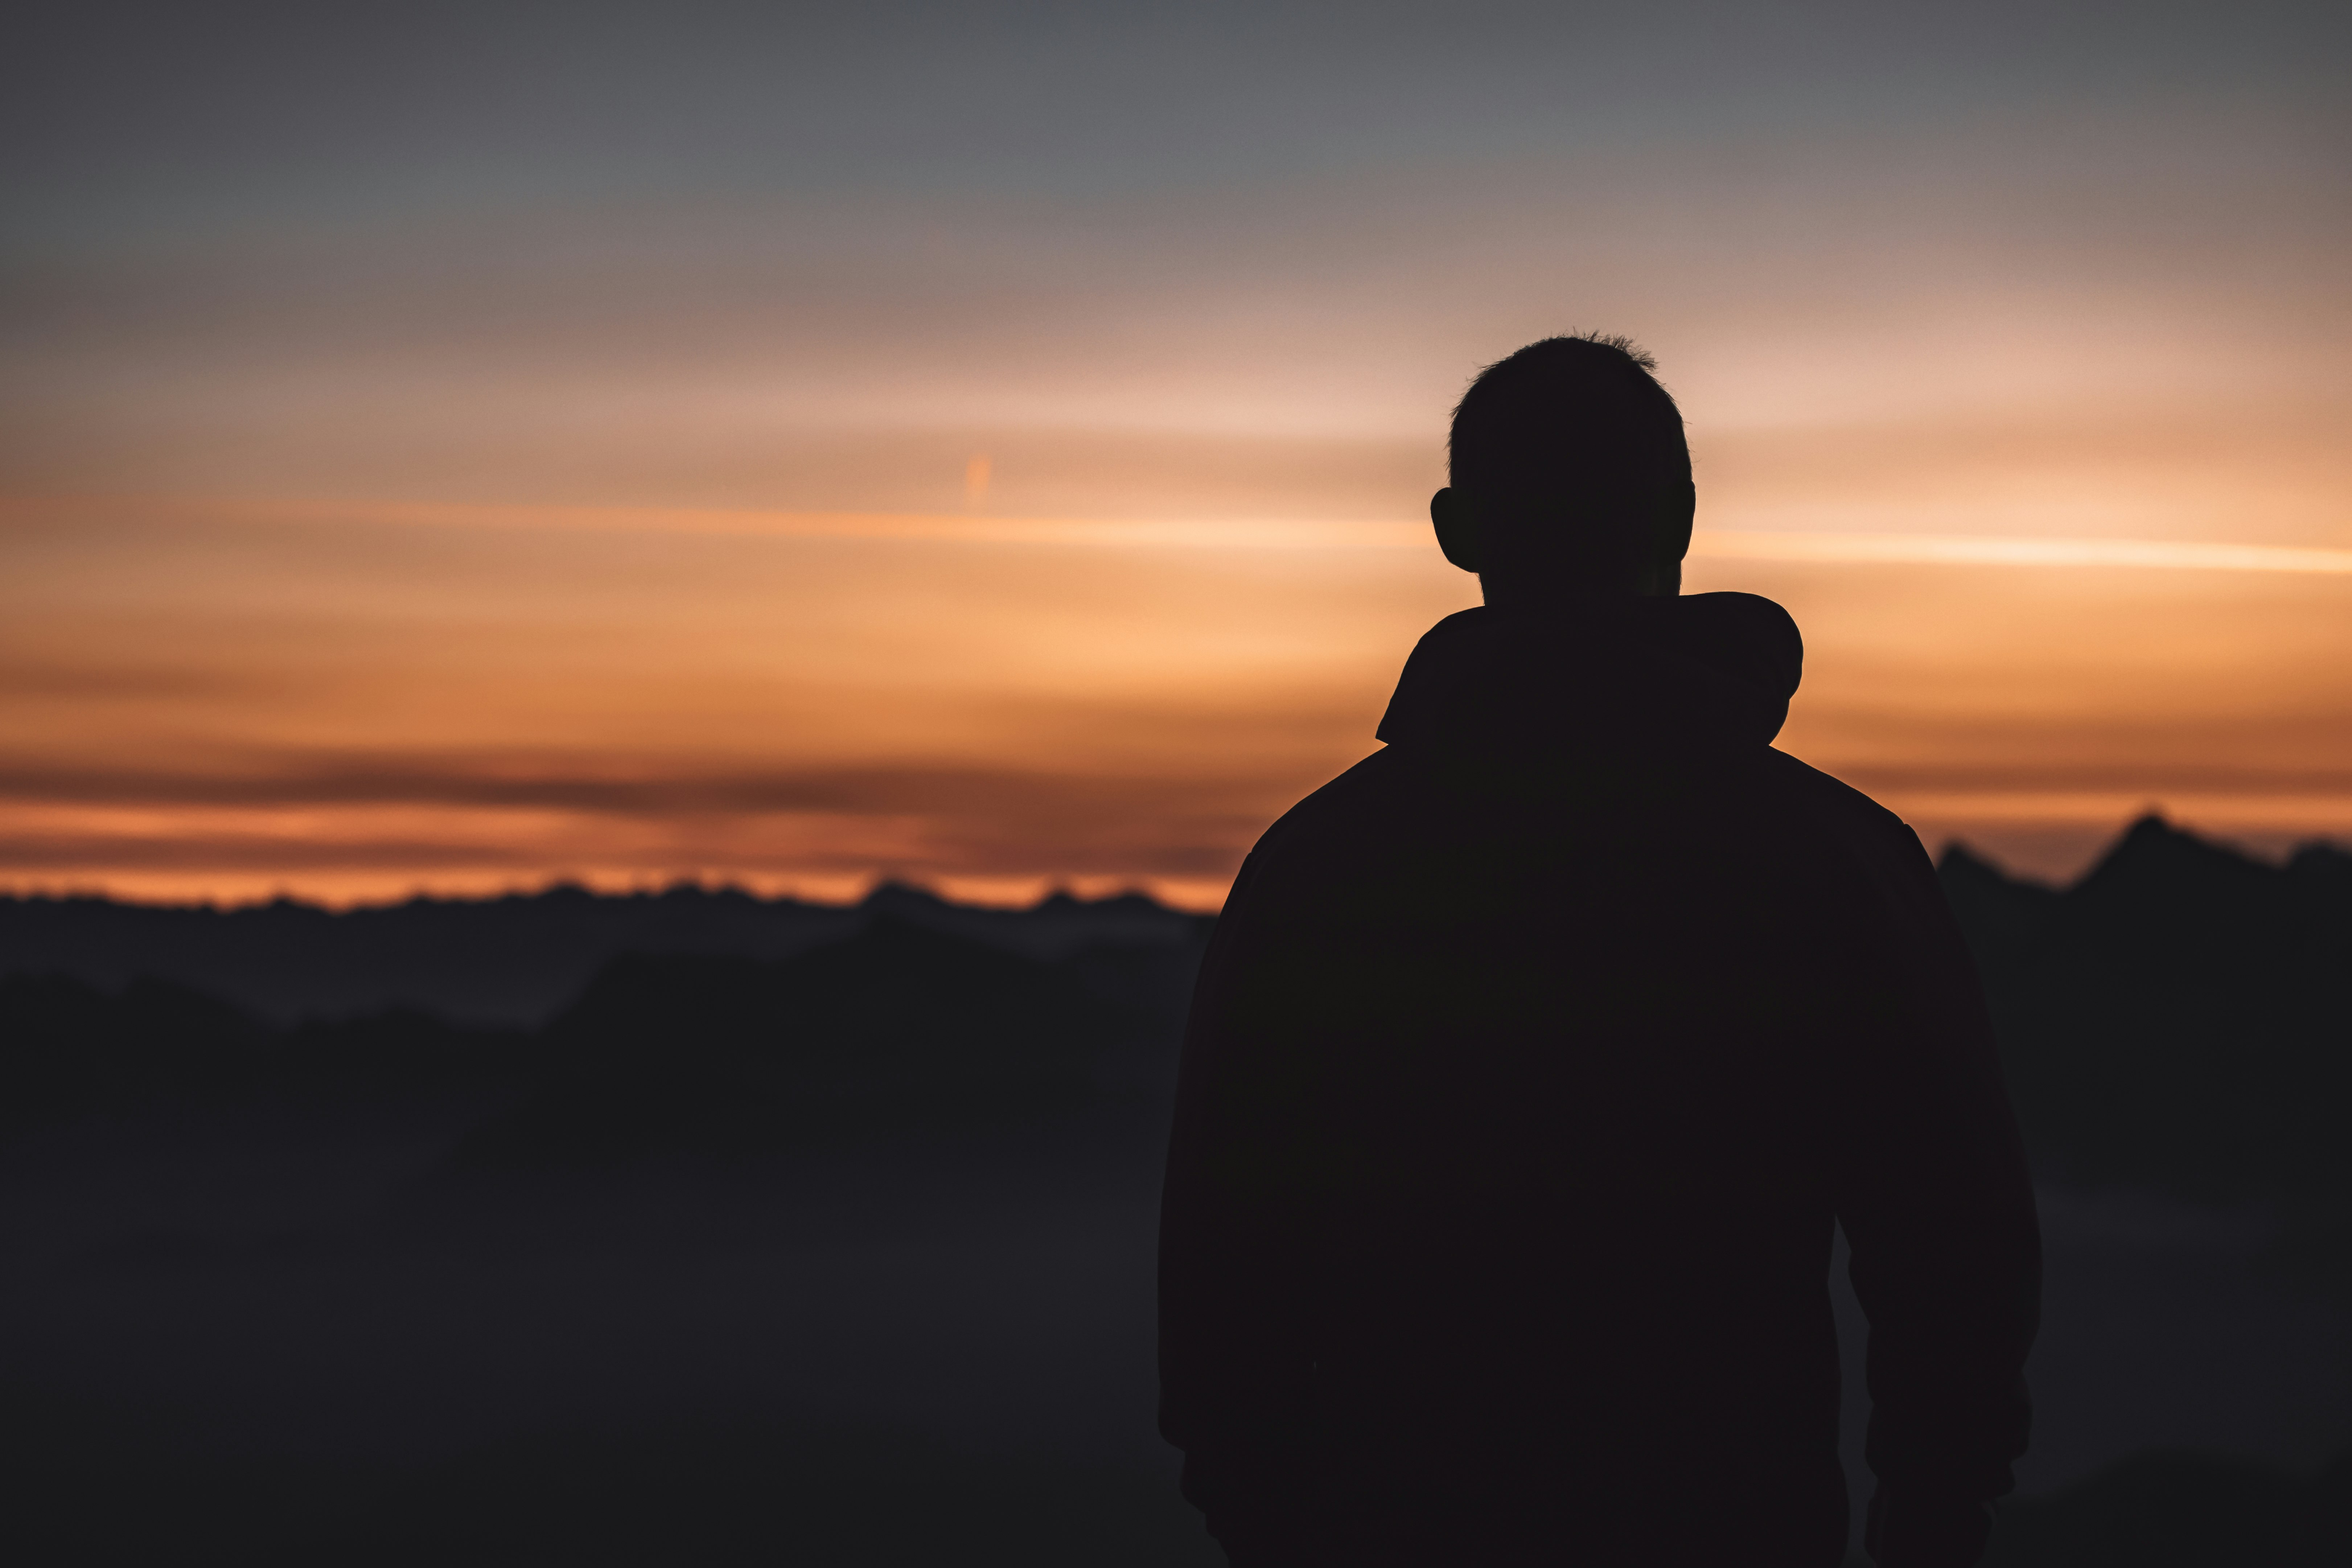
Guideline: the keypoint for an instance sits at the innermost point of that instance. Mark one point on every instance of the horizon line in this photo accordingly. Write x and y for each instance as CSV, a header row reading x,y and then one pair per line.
x,y
1179,895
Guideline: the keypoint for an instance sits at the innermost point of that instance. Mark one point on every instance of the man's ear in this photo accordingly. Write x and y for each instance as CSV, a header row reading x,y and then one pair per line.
x,y
1673,538
1660,571
1456,522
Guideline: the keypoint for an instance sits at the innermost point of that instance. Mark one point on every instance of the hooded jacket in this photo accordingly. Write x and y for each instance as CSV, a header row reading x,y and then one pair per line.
x,y
1531,1066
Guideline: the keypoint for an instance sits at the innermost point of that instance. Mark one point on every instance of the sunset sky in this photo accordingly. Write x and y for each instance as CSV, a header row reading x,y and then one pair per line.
x,y
462,447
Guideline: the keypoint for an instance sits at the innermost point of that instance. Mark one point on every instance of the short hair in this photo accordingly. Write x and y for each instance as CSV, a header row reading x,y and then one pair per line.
x,y
1574,432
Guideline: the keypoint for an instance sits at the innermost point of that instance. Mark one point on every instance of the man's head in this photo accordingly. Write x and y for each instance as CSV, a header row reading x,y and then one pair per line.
x,y
1570,477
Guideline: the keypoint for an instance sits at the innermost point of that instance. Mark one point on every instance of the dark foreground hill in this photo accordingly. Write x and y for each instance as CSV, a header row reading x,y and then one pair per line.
x,y
2184,1511
839,1256
695,1227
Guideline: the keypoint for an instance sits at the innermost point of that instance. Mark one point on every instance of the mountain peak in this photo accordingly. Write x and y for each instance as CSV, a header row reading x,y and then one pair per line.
x,y
2152,852
901,898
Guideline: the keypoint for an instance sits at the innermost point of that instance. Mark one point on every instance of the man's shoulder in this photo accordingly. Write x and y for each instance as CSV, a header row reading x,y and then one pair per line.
x,y
1387,803
1368,793
1825,793
1838,811
1363,796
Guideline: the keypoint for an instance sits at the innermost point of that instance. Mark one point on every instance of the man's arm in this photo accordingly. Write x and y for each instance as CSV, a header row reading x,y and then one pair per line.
x,y
1233,1303
1938,1206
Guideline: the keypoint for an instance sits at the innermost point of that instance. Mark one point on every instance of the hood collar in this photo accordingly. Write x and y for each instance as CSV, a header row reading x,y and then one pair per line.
x,y
1706,672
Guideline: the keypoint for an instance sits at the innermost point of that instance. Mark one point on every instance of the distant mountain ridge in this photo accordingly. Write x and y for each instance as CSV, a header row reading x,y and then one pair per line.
x,y
512,961
2141,1008
2181,1018
895,1029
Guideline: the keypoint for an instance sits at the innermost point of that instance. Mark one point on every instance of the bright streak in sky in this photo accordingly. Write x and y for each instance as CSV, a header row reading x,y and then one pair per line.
x,y
1235,533
1998,549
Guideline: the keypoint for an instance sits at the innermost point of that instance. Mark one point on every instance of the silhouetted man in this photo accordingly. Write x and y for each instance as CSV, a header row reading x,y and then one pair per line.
x,y
1535,1057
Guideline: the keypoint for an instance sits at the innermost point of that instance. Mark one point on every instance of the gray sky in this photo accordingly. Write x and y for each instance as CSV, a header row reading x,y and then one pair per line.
x,y
254,247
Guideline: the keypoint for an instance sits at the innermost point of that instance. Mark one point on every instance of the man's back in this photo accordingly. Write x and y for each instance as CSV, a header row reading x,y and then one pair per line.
x,y
1533,1062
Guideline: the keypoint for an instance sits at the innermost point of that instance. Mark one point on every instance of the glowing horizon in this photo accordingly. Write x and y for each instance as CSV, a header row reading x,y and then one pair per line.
x,y
408,698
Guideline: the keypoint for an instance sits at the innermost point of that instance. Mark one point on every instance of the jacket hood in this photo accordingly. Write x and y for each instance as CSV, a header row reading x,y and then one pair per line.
x,y
1706,672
